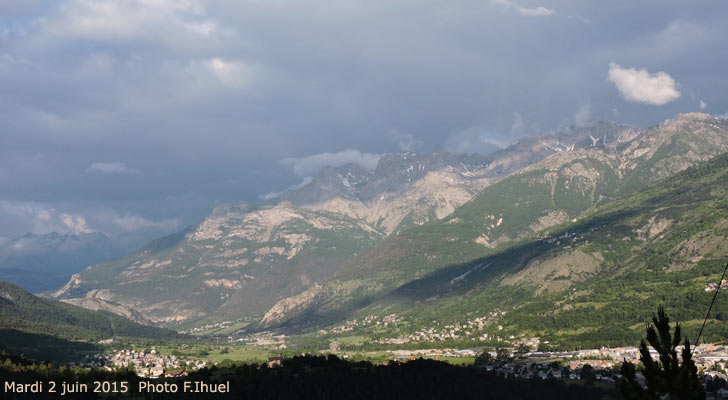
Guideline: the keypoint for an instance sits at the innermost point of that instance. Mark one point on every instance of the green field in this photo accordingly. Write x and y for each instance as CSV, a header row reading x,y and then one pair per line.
x,y
217,352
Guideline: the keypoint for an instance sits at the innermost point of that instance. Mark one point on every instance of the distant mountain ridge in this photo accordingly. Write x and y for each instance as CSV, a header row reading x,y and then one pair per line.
x,y
351,235
40,262
22,311
409,189
550,192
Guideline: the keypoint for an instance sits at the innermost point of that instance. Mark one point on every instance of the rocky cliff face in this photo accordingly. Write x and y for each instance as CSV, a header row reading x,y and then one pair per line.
x,y
95,304
239,261
291,307
404,190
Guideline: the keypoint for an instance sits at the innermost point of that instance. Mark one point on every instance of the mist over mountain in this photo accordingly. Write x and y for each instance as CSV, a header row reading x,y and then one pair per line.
x,y
40,262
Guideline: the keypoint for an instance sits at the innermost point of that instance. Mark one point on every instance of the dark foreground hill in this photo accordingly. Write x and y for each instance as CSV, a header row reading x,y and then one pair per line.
x,y
23,311
37,327
312,377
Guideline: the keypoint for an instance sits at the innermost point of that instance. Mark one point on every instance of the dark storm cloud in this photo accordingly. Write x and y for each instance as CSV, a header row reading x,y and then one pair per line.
x,y
134,114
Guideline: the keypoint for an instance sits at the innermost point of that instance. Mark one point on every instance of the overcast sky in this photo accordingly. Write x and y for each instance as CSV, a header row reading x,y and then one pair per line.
x,y
136,117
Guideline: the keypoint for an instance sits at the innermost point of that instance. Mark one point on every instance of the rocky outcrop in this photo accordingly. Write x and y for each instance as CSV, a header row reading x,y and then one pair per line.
x,y
95,304
291,307
74,287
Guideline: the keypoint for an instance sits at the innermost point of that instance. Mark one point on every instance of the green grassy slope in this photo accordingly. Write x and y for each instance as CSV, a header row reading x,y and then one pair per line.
x,y
521,207
598,286
22,311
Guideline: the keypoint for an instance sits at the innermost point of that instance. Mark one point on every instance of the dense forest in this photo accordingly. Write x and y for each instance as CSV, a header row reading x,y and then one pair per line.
x,y
25,312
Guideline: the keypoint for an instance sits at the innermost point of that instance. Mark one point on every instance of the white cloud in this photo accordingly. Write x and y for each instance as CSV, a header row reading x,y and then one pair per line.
x,y
113,20
34,217
539,11
703,105
640,86
43,215
111,168
75,223
306,166
132,223
272,195
203,28
42,218
231,73
407,142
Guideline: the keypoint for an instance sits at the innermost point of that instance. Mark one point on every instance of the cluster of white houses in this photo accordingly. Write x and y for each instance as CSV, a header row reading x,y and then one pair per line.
x,y
146,365
468,329
369,320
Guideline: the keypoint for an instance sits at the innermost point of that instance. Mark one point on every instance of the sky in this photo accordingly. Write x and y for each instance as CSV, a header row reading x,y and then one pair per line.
x,y
136,117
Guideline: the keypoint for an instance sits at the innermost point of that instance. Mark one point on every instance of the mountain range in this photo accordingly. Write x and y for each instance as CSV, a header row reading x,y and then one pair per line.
x,y
597,280
354,240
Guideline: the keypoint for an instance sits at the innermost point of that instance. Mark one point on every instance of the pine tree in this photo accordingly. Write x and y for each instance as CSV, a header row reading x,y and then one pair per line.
x,y
666,378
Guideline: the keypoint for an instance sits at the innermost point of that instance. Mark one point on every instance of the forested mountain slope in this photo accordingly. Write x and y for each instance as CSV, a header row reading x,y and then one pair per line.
x,y
597,280
22,311
520,207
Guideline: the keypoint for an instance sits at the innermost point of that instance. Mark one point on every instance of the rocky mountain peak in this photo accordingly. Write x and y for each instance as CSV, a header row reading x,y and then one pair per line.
x,y
693,115
229,209
331,182
689,121
595,134
394,173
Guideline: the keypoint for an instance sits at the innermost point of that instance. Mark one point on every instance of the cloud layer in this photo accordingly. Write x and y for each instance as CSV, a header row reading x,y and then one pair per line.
x,y
539,11
39,218
111,168
309,165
